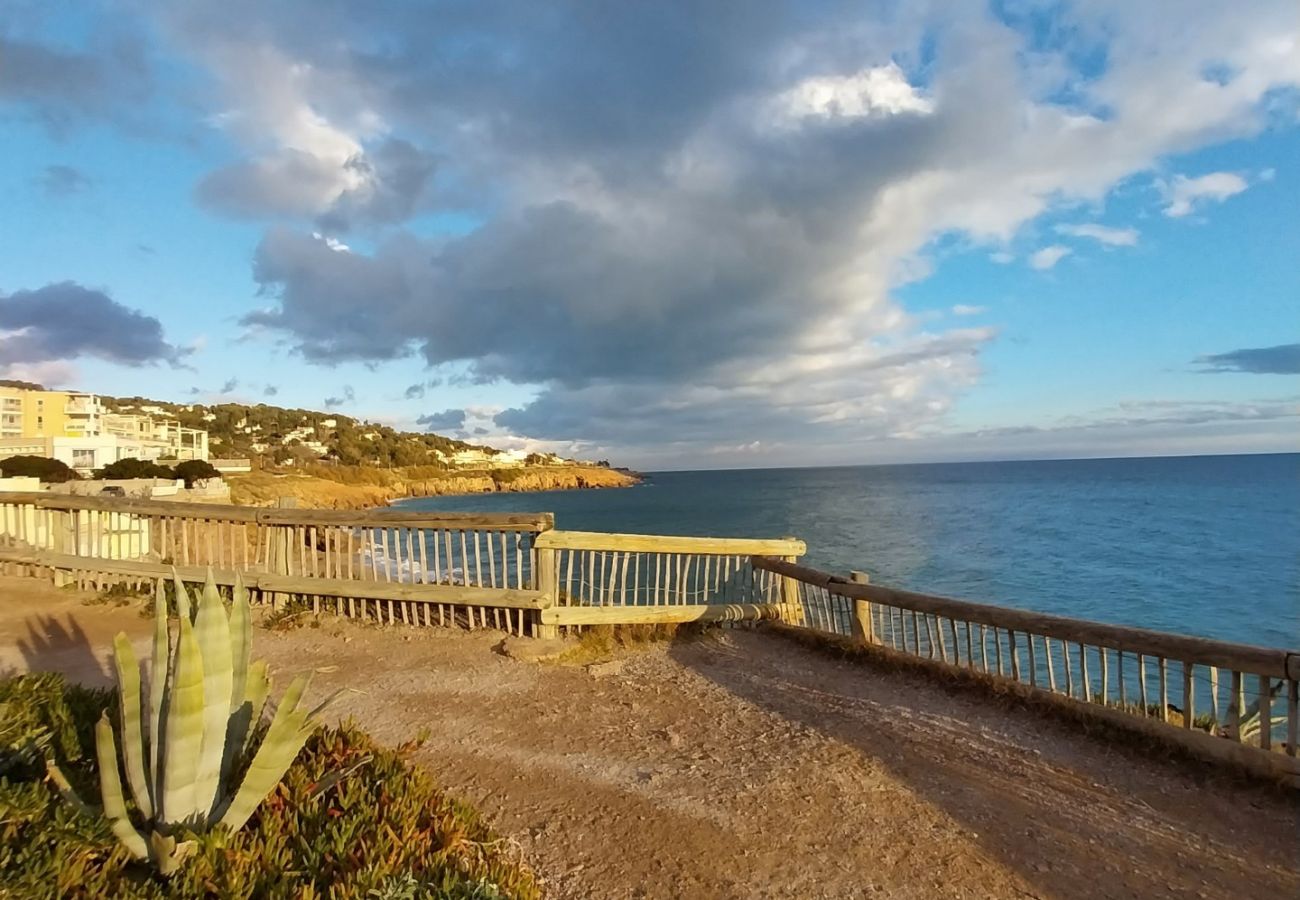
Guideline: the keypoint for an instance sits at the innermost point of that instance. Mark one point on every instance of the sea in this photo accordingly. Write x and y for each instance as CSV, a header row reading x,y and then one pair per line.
x,y
1203,545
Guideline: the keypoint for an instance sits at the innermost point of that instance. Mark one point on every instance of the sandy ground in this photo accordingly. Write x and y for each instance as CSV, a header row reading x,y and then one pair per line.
x,y
742,765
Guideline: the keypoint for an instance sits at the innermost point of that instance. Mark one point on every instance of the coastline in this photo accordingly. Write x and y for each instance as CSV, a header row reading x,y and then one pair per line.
x,y
370,488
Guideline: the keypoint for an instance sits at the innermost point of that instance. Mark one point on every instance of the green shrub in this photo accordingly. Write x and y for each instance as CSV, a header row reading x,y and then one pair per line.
x,y
134,468
193,470
50,471
350,819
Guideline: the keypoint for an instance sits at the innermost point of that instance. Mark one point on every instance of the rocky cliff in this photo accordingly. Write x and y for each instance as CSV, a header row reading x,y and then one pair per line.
x,y
264,489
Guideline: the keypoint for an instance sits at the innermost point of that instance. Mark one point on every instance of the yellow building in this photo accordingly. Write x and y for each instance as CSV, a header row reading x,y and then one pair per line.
x,y
30,413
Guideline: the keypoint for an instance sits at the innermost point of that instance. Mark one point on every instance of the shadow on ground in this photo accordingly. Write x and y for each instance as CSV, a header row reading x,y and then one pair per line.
x,y
1074,816
60,644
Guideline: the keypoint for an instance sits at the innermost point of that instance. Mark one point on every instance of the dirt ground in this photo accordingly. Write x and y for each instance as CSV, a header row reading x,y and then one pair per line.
x,y
741,765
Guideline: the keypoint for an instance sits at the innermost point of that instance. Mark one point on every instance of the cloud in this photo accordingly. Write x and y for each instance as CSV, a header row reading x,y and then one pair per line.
x,y
348,396
387,185
62,181
1183,195
270,391
1046,258
447,420
962,309
1111,237
61,86
415,391
1284,359
672,255
66,321
229,386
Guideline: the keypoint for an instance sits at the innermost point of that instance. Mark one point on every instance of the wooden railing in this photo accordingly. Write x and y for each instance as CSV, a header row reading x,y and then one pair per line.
x,y
1218,699
390,565
601,578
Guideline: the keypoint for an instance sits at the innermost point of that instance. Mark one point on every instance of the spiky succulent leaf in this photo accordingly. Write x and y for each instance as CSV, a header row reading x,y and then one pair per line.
x,y
133,748
241,641
158,684
241,709
212,630
182,596
183,731
66,790
256,689
288,731
110,789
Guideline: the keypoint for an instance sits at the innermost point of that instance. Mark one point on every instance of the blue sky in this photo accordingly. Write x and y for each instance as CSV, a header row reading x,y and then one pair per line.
x,y
671,236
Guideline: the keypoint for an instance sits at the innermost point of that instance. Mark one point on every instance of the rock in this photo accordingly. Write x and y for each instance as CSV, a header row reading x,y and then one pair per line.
x,y
604,669
535,649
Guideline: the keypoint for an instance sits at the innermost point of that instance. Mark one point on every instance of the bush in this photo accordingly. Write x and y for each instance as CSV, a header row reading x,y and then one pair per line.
x,y
193,470
47,470
135,468
351,819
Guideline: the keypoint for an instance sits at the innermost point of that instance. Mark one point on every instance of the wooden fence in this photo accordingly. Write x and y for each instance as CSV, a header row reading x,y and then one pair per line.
x,y
389,565
515,572
601,578
507,571
1220,700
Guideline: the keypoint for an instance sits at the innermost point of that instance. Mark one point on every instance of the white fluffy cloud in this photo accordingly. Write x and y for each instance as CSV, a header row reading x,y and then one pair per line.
x,y
1183,195
1048,257
1103,234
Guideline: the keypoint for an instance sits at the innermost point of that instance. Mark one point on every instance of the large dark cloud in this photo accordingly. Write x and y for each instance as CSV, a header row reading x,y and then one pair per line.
x,y
1284,359
66,321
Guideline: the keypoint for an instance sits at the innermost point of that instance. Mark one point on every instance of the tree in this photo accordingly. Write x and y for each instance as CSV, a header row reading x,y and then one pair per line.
x,y
193,470
50,471
134,468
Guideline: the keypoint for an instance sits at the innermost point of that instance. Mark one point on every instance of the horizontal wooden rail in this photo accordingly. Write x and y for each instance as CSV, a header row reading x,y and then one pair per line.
x,y
653,615
1204,651
654,543
381,518
450,594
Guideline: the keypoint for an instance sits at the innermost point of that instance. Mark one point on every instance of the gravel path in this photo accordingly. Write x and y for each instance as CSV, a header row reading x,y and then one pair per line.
x,y
743,765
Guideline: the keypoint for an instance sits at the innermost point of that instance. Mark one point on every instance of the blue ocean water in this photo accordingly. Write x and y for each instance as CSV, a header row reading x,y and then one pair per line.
x,y
1205,545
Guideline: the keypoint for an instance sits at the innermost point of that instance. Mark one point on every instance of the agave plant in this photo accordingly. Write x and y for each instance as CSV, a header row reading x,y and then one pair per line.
x,y
205,702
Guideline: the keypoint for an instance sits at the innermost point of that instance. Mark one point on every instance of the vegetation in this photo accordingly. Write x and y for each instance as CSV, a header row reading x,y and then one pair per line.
x,y
350,819
194,768
50,471
190,471
276,435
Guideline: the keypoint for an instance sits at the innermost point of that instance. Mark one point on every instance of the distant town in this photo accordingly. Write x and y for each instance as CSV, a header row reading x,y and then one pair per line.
x,y
87,432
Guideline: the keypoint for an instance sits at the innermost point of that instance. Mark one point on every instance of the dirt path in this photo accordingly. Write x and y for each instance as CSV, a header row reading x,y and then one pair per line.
x,y
745,766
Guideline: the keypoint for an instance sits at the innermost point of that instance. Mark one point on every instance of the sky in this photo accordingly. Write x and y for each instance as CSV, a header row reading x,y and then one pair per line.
x,y
672,235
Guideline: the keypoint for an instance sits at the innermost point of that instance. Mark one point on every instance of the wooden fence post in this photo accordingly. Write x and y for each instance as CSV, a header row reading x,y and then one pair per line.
x,y
793,607
546,578
862,627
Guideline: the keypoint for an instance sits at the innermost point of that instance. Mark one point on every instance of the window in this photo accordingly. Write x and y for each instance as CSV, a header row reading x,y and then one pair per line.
x,y
83,459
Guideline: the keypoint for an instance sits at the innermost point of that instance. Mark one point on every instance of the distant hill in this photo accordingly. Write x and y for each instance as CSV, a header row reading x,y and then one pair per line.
x,y
277,435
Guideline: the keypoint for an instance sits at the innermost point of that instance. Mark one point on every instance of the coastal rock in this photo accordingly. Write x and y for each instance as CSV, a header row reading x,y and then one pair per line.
x,y
535,649
604,669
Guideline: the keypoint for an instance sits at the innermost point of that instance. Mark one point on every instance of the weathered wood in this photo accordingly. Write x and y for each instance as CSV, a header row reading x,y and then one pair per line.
x,y
863,628
653,543
1205,651
697,612
293,584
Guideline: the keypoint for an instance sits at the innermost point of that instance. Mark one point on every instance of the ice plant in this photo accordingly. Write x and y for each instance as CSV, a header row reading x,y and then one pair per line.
x,y
205,701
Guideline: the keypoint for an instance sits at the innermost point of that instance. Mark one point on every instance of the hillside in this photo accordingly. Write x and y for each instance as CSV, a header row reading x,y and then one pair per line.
x,y
276,435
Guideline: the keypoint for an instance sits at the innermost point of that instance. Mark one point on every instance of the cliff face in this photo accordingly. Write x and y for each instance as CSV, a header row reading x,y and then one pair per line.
x,y
264,489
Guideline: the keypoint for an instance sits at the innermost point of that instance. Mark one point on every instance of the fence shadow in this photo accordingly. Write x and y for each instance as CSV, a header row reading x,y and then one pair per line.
x,y
60,644
1074,816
